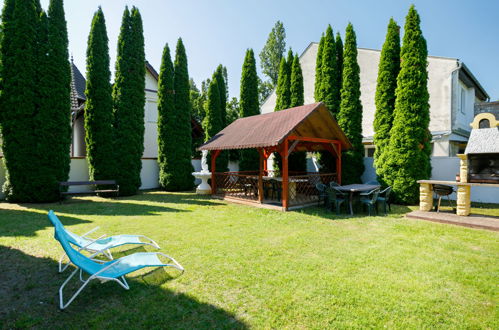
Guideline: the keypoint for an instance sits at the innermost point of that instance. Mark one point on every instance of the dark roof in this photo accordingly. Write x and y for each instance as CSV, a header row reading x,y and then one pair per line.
x,y
270,129
483,141
152,71
79,82
470,81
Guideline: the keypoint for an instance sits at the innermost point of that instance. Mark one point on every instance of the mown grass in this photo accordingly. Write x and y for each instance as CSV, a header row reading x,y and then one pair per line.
x,y
249,267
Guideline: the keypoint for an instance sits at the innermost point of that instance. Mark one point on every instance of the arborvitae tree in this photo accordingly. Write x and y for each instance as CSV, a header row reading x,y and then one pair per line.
x,y
297,160
18,100
339,61
167,148
222,91
129,102
318,70
99,103
58,108
249,107
296,88
183,172
44,124
233,113
408,155
283,96
350,115
330,90
388,70
212,123
223,157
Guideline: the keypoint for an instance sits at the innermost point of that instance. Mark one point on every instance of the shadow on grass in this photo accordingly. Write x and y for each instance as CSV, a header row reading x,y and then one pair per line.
x,y
176,198
397,211
29,290
26,219
26,222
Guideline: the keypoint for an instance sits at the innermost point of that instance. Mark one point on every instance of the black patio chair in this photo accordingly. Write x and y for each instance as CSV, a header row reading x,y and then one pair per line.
x,y
384,197
370,200
336,197
322,194
441,191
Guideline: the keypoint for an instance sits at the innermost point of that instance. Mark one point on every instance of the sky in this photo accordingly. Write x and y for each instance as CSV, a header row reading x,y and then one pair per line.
x,y
220,31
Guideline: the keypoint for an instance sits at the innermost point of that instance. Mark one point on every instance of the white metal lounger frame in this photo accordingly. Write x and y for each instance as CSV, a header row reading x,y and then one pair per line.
x,y
105,252
122,281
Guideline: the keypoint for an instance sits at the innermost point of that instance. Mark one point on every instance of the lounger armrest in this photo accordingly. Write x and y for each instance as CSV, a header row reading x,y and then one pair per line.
x,y
91,242
90,231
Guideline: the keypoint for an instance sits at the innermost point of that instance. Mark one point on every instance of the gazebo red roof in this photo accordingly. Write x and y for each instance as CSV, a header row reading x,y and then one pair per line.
x,y
268,130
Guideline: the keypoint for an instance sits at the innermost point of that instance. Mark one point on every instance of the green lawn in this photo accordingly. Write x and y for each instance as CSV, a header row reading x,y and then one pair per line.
x,y
249,267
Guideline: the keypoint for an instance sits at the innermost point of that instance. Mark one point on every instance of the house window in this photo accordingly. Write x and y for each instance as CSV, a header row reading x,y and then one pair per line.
x,y
369,151
463,100
151,111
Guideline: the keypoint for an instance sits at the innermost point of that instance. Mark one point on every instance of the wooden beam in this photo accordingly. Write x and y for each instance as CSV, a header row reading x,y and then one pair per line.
x,y
336,150
214,155
310,139
292,147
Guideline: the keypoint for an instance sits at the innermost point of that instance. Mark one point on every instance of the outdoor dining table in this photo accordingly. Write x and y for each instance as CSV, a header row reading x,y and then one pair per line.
x,y
355,188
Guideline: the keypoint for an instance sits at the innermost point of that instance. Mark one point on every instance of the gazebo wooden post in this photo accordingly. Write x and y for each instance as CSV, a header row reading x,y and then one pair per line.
x,y
285,178
260,172
214,156
265,158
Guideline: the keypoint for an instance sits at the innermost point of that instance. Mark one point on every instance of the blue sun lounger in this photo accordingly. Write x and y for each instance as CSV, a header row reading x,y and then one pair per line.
x,y
114,270
101,244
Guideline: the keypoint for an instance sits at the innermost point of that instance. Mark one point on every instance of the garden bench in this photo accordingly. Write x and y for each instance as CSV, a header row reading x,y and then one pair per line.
x,y
88,183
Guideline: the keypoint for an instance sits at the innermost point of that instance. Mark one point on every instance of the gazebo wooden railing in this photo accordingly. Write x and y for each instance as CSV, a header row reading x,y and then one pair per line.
x,y
244,185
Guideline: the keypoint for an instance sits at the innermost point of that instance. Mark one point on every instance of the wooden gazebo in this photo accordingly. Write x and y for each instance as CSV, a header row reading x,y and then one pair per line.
x,y
306,128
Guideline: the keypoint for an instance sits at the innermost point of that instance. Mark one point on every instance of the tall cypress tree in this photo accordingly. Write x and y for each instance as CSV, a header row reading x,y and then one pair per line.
x,y
167,147
408,155
330,90
129,102
249,107
350,115
318,70
222,91
297,160
99,103
58,107
388,70
220,74
283,96
184,179
339,62
296,88
212,123
45,128
18,99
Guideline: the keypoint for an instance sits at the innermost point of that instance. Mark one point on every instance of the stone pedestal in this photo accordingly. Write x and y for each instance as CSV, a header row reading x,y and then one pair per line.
x,y
463,168
203,188
425,197
463,200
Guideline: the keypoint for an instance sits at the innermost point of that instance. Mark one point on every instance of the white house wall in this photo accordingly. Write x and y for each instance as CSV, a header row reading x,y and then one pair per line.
x,y
151,126
439,86
463,113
